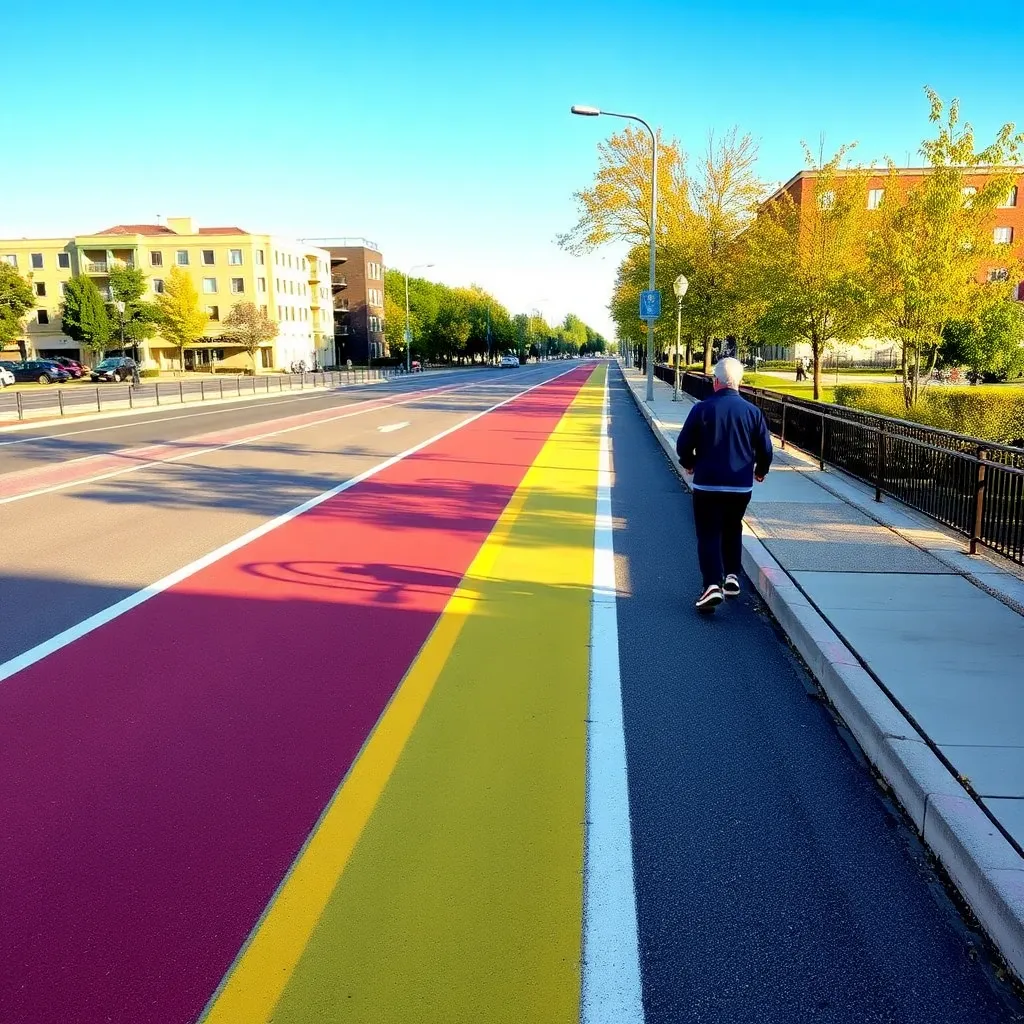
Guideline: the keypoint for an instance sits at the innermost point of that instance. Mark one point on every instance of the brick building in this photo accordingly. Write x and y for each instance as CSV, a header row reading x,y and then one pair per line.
x,y
357,288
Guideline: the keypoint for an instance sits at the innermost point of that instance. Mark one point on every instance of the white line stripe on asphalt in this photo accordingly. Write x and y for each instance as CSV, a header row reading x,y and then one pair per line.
x,y
611,989
391,427
73,633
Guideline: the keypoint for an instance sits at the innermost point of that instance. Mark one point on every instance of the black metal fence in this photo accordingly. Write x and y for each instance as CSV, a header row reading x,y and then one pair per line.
x,y
79,398
975,487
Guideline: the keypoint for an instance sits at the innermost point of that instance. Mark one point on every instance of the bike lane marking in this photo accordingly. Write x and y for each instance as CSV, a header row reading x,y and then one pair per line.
x,y
444,881
153,803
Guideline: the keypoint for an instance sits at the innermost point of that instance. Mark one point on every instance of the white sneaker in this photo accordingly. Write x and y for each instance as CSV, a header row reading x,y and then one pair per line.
x,y
710,599
732,585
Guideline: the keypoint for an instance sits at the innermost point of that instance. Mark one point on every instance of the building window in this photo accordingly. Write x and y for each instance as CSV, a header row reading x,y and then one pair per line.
x,y
156,259
209,285
43,316
63,289
237,285
181,257
968,192
37,260
235,257
213,312
1010,200
1002,236
64,260
260,257
875,198
261,283
998,274
826,200
158,285
41,289
11,260
207,257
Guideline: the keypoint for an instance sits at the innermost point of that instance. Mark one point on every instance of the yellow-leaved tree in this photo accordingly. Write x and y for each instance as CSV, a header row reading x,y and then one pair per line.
x,y
182,320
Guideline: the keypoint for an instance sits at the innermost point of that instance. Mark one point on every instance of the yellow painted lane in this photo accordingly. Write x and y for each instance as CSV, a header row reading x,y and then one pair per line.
x,y
445,881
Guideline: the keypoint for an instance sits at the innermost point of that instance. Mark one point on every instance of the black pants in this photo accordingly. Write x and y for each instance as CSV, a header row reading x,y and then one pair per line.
x,y
718,516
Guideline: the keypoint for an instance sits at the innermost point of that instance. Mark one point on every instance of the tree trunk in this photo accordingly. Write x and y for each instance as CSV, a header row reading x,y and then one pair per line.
x,y
907,397
816,371
707,354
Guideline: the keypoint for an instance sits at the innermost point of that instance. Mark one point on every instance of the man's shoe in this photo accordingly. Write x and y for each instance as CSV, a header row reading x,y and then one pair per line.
x,y
732,586
710,599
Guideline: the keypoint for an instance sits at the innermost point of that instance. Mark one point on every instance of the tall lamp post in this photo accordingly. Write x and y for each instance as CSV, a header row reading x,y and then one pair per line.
x,y
679,286
649,315
408,329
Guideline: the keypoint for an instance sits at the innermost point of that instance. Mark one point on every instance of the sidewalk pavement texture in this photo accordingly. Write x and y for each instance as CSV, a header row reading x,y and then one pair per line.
x,y
917,646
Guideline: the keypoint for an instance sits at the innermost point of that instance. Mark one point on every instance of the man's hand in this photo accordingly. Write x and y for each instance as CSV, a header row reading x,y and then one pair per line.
x,y
687,472
759,479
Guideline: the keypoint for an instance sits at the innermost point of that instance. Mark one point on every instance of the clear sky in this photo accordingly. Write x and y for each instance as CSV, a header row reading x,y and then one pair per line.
x,y
442,130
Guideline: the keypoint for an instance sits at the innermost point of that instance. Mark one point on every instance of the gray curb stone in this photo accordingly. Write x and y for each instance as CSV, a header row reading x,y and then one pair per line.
x,y
983,865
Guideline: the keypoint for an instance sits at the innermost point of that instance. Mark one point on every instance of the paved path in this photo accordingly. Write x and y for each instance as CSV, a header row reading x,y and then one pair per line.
x,y
396,745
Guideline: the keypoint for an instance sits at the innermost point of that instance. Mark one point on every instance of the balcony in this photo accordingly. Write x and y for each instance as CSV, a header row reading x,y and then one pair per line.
x,y
92,267
339,281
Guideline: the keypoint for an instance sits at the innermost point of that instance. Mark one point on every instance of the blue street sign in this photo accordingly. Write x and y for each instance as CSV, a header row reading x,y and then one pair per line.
x,y
650,305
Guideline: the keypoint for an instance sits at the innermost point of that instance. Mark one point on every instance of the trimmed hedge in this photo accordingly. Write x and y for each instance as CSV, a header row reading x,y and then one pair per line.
x,y
994,414
151,372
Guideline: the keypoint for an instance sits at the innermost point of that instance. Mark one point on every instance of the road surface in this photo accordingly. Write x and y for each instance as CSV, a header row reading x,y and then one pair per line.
x,y
399,711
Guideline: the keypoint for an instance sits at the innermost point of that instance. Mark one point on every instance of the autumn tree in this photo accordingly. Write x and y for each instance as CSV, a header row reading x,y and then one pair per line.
x,y
84,315
182,320
704,240
806,261
16,299
248,326
930,241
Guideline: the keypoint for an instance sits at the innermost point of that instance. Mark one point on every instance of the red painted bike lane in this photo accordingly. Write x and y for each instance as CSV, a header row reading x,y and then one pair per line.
x,y
159,775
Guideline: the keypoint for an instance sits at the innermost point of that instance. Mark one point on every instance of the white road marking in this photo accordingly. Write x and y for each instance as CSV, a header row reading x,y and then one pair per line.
x,y
391,427
93,622
611,988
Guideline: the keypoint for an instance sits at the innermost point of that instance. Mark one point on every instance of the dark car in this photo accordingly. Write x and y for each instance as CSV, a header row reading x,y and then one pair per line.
x,y
44,371
73,366
116,368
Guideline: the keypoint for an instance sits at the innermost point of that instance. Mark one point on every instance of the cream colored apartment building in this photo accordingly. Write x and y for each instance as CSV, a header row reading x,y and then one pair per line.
x,y
290,279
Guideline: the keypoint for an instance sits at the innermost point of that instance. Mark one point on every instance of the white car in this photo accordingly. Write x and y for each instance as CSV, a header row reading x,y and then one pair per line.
x,y
6,377
508,362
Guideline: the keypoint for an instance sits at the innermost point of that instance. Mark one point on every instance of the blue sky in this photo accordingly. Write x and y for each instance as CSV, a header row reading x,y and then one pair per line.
x,y
442,131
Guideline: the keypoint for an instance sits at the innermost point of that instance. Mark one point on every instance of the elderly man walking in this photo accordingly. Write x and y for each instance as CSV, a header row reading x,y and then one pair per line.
x,y
725,445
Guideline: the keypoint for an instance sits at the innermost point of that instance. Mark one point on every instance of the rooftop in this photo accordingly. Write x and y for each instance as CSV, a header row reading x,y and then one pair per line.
x,y
162,229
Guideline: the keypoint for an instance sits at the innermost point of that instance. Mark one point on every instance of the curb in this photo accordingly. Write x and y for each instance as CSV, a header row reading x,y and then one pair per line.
x,y
984,866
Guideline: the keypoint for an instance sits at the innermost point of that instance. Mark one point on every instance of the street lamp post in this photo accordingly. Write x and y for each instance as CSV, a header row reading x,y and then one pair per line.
x,y
408,329
596,112
679,286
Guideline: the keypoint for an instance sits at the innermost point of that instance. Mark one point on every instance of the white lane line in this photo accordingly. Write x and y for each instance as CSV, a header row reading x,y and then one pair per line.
x,y
611,988
391,427
222,408
76,632
131,452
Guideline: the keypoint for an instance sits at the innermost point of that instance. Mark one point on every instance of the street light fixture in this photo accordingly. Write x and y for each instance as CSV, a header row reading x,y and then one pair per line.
x,y
584,111
408,329
679,286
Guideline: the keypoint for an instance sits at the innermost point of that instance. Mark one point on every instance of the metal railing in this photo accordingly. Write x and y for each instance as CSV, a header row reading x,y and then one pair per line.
x,y
973,486
68,400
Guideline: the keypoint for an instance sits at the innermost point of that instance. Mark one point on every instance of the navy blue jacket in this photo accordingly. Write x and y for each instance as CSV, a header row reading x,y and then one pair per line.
x,y
724,442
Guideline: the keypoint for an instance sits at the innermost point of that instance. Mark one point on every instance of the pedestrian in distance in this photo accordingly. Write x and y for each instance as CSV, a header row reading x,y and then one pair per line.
x,y
724,447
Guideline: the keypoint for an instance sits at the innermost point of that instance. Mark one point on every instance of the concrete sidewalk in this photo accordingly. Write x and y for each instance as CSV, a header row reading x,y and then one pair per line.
x,y
918,646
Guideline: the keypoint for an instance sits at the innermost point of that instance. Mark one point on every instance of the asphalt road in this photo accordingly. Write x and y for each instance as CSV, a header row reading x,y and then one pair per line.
x,y
34,446
774,884
71,552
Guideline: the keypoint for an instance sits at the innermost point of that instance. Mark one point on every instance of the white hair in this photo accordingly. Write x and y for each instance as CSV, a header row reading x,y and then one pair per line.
x,y
729,372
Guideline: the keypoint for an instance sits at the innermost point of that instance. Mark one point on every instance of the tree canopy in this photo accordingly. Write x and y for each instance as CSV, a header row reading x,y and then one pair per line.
x,y
16,299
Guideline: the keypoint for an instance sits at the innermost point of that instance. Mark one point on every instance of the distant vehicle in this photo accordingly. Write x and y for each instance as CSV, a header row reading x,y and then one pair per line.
x,y
508,362
42,371
116,368
6,377
73,366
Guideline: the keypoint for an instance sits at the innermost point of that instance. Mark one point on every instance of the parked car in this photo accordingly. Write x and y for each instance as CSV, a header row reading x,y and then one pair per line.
x,y
116,368
6,377
43,371
73,366
508,362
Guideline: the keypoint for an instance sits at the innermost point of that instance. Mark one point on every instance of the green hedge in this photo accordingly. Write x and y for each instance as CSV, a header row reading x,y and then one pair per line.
x,y
995,413
151,372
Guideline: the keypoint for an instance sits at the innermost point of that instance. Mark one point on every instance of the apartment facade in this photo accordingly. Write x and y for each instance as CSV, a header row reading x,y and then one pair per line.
x,y
228,265
357,291
1007,227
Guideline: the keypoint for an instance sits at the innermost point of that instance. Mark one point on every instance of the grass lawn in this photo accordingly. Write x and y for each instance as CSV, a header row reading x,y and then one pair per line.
x,y
799,389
